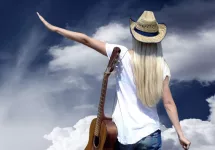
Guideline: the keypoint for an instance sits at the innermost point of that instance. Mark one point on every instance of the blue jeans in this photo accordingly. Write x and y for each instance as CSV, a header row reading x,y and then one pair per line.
x,y
150,142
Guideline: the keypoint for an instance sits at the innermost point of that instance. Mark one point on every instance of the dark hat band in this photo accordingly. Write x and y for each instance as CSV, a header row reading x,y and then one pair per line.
x,y
145,33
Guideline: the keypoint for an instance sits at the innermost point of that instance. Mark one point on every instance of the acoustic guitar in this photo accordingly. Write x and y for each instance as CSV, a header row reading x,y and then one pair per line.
x,y
103,131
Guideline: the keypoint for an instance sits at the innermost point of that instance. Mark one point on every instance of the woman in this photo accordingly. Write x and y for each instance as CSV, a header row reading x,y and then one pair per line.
x,y
142,79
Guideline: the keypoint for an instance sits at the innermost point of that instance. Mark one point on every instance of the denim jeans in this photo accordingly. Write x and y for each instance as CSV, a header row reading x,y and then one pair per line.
x,y
151,142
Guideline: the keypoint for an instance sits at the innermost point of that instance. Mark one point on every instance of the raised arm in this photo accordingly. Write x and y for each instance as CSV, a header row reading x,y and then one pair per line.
x,y
171,110
97,45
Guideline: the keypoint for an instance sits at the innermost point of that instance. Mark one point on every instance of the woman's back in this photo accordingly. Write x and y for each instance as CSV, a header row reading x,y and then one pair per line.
x,y
134,120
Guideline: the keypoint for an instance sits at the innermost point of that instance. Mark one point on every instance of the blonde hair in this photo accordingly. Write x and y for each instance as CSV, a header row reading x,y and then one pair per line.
x,y
147,66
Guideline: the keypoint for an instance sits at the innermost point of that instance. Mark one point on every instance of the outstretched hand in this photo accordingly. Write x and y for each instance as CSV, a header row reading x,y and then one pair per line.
x,y
48,25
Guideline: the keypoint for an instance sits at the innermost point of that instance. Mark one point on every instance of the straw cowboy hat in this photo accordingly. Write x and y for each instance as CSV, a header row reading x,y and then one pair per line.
x,y
146,29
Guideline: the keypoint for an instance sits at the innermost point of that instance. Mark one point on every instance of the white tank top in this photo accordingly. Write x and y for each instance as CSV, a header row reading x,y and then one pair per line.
x,y
133,120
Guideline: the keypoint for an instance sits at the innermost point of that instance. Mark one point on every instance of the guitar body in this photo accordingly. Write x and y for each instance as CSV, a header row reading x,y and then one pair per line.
x,y
107,136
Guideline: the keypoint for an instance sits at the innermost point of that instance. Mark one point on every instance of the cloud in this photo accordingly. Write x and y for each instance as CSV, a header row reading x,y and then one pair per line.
x,y
200,133
72,137
212,108
189,56
82,59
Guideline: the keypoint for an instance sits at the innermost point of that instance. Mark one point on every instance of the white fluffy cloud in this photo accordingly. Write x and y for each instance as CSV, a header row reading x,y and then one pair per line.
x,y
200,133
190,56
84,59
69,138
212,108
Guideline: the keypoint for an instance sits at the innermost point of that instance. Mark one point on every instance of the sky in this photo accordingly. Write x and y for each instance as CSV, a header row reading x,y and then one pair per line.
x,y
49,84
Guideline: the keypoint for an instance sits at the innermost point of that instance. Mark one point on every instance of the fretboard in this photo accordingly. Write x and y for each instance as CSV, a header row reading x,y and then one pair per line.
x,y
100,114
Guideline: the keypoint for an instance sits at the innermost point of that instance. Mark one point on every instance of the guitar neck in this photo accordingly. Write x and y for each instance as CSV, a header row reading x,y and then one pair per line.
x,y
100,114
113,60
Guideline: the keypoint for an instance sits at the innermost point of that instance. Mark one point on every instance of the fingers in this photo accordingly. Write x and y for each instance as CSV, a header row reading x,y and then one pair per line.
x,y
186,146
39,15
41,18
48,25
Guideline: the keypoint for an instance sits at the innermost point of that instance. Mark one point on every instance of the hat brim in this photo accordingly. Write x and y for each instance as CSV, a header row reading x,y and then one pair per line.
x,y
147,39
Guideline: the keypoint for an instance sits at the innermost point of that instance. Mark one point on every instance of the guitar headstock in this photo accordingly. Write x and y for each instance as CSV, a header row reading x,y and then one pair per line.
x,y
113,59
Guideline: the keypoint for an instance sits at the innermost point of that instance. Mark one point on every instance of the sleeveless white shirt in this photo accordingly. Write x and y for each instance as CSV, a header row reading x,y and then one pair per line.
x,y
133,120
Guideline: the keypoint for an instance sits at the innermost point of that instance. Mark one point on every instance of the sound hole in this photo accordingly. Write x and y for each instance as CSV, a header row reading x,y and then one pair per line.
x,y
96,141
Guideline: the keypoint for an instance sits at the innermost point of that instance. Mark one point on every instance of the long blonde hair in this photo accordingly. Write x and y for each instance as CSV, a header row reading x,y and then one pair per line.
x,y
147,66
